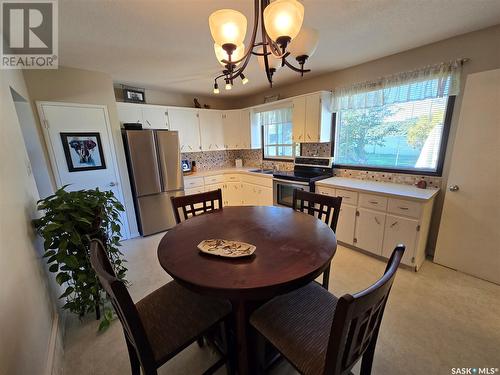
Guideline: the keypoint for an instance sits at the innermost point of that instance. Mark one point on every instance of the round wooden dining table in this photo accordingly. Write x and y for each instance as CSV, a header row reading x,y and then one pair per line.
x,y
292,249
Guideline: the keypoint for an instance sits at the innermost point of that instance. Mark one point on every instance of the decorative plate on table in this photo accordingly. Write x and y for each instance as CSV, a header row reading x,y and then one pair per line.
x,y
226,248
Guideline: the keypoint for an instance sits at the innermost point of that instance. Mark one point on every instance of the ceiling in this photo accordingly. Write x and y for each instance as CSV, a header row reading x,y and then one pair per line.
x,y
166,44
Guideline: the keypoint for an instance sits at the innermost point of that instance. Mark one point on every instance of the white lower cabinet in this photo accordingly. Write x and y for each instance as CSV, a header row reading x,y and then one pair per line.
x,y
233,194
369,230
346,224
400,230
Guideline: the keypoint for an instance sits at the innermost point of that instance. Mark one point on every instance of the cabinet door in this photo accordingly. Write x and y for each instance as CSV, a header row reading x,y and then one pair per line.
x,y
312,118
211,130
245,129
233,129
185,121
129,113
155,117
400,230
369,230
298,119
346,224
233,194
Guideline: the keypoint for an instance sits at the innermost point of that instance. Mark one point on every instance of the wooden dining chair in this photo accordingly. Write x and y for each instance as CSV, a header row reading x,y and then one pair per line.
x,y
321,334
325,208
197,204
164,322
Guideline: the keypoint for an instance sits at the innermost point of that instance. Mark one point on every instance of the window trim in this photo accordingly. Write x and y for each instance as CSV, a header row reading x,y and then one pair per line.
x,y
450,104
284,159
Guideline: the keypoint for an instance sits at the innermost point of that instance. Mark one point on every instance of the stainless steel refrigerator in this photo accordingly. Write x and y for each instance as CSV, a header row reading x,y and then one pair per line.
x,y
154,165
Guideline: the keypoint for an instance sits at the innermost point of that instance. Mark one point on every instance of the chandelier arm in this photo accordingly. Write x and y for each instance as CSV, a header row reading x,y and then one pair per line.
x,y
252,40
295,69
264,3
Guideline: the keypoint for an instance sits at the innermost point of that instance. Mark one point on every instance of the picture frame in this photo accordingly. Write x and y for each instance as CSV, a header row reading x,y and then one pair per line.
x,y
134,95
83,151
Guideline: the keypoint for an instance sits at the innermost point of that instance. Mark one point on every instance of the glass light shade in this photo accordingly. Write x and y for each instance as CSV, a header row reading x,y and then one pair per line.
x,y
305,43
228,26
272,61
283,18
222,55
229,86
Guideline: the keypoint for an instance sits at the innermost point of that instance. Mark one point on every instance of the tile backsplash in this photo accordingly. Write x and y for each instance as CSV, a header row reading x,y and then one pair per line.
x,y
253,158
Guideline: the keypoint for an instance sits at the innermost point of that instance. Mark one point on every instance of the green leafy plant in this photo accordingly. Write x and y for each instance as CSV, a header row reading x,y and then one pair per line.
x,y
71,219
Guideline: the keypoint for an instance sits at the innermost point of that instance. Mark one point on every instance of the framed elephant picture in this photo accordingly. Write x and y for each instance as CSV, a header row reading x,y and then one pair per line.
x,y
83,151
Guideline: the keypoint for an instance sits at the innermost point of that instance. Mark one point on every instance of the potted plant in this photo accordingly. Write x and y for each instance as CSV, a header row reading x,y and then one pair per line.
x,y
71,219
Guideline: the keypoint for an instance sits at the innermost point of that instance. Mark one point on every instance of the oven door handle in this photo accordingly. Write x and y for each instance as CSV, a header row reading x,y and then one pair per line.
x,y
290,182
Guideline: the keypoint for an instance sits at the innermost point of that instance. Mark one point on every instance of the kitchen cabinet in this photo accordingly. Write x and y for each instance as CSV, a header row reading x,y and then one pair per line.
x,y
400,230
246,129
233,194
232,129
369,232
211,130
311,118
186,122
150,116
346,224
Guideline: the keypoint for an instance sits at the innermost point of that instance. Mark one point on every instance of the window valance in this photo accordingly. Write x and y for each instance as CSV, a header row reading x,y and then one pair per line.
x,y
434,81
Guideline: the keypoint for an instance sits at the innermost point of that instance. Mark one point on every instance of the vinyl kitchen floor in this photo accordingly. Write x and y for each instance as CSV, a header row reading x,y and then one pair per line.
x,y
436,320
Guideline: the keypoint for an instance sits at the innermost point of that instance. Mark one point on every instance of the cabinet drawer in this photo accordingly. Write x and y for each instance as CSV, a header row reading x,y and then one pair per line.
x,y
262,181
376,202
404,207
194,191
214,179
231,177
349,197
193,182
325,191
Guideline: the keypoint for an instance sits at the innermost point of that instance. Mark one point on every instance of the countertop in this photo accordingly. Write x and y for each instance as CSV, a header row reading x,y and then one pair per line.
x,y
385,188
213,172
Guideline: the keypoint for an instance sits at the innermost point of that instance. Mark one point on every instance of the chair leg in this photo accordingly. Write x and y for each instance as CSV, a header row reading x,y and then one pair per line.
x,y
201,342
228,347
135,365
326,277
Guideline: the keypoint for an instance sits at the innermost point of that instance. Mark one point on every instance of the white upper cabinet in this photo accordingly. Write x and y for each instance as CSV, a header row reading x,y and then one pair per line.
x,y
312,119
154,117
150,116
231,121
185,121
245,128
211,130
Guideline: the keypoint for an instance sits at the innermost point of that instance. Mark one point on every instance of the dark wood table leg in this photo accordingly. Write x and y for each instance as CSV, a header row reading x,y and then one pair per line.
x,y
241,322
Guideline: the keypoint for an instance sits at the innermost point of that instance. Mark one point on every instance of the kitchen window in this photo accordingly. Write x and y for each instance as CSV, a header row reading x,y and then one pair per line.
x,y
402,127
277,132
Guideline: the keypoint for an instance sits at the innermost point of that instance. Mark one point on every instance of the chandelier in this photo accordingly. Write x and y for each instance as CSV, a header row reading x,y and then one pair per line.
x,y
282,36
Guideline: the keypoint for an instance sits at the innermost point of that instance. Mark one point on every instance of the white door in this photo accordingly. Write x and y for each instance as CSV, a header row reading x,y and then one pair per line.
x,y
233,131
298,119
155,117
186,122
369,230
346,224
66,122
234,191
129,113
469,235
245,129
400,230
211,130
313,117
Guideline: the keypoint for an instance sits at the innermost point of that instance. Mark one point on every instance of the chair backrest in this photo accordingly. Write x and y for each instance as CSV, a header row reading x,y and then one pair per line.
x,y
326,208
357,319
122,303
197,204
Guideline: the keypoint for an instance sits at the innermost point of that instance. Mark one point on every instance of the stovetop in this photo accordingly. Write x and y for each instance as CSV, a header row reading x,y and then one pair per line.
x,y
303,176
308,169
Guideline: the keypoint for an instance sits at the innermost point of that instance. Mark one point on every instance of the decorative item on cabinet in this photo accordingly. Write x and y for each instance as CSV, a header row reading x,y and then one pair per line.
x,y
134,95
193,166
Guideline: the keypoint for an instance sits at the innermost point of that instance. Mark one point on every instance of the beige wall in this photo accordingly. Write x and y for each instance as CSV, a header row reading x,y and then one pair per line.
x,y
27,311
72,85
482,47
176,99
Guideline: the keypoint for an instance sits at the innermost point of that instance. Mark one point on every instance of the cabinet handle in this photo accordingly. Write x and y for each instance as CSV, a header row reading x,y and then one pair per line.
x,y
149,123
209,146
373,202
308,136
403,208
393,224
182,147
377,220
190,147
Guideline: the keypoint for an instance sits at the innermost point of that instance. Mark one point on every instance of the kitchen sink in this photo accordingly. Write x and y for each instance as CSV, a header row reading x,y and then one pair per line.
x,y
265,171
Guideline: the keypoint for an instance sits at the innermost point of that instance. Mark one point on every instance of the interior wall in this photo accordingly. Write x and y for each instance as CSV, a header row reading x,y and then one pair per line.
x,y
161,97
73,85
481,47
27,309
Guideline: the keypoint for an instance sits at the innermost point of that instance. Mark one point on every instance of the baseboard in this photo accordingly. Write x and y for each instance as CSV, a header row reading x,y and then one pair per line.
x,y
55,347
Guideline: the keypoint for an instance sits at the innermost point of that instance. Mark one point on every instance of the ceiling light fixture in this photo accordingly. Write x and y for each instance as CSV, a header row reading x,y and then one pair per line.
x,y
282,35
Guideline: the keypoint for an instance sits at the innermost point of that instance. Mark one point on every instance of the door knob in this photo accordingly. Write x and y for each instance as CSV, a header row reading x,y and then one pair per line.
x,y
454,188
111,184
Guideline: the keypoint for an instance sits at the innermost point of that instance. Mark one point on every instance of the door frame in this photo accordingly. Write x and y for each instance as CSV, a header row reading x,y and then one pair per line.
x,y
53,161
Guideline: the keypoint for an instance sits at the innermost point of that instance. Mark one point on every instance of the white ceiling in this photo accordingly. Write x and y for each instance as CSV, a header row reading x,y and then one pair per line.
x,y
166,44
